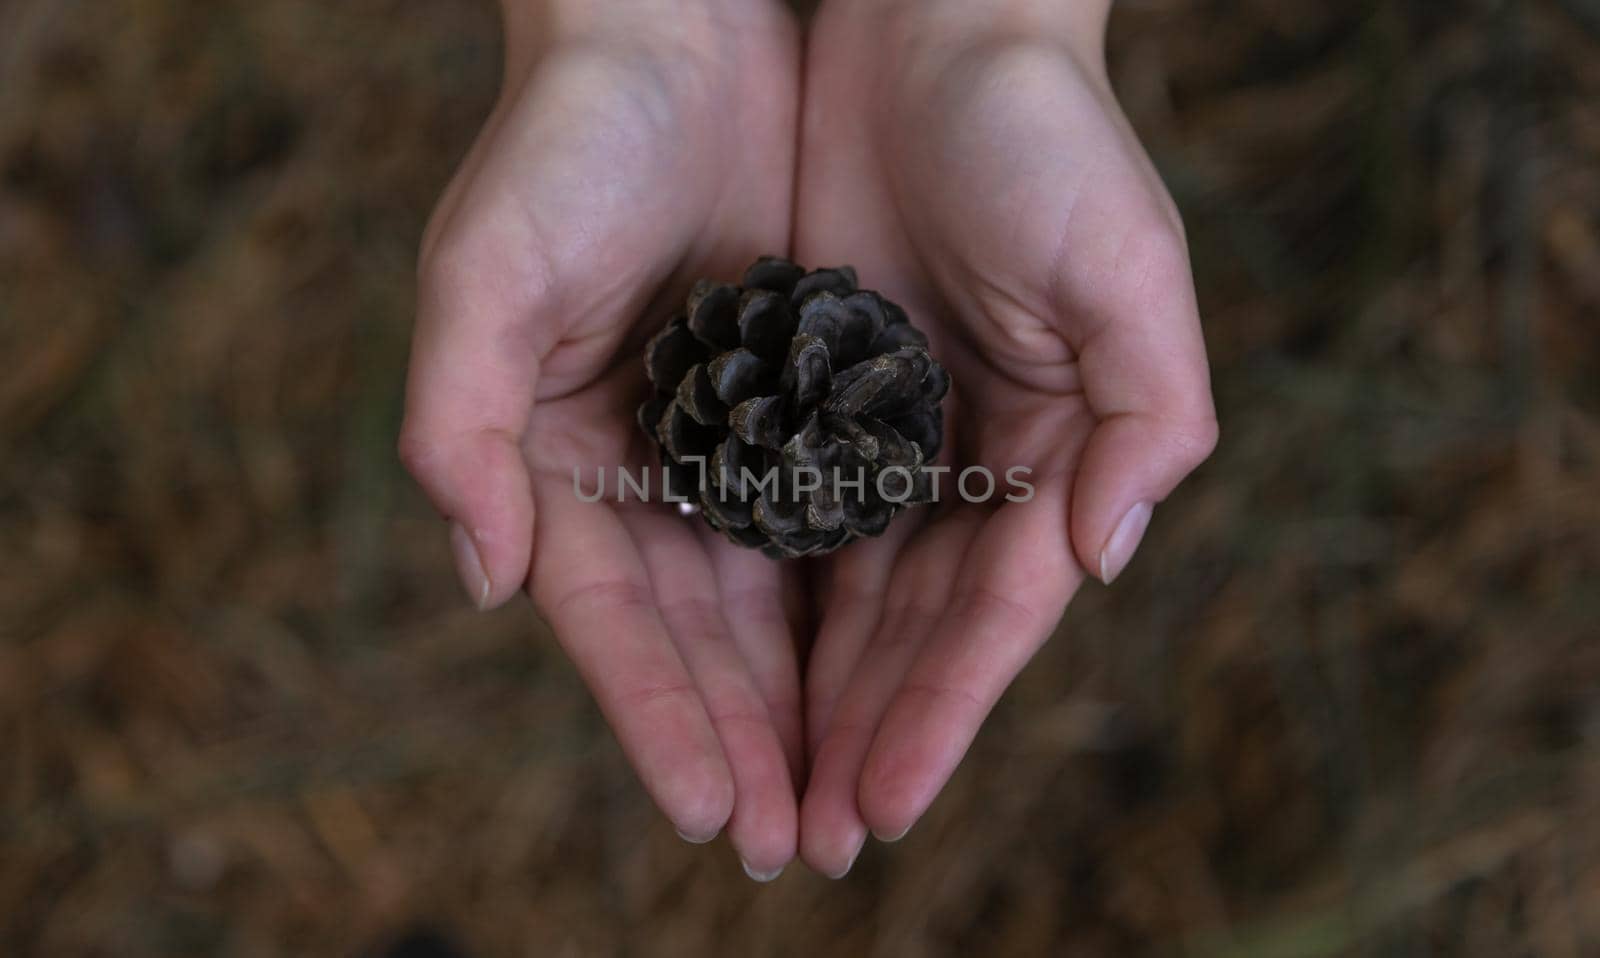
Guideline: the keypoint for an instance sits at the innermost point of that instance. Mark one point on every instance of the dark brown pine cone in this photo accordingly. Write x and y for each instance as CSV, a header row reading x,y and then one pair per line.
x,y
781,380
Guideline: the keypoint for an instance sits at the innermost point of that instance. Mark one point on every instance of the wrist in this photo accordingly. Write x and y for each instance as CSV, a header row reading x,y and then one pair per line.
x,y
533,28
546,21
1077,25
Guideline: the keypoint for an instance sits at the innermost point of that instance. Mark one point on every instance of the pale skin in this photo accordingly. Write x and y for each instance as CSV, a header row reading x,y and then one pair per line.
x,y
971,161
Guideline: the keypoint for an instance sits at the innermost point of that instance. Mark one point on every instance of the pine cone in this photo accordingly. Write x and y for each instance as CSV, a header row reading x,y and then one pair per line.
x,y
789,374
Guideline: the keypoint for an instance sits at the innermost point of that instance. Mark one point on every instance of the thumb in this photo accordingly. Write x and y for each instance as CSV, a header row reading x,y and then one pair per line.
x,y
1143,364
469,393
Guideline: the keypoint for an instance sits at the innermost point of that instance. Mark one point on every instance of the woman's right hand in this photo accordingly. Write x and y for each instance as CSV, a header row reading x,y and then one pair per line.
x,y
636,145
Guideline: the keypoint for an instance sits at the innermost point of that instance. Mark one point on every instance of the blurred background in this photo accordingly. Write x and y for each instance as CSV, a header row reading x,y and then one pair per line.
x,y
1346,701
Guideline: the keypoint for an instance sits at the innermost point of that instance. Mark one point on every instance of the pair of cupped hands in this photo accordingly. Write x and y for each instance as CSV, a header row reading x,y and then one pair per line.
x,y
971,161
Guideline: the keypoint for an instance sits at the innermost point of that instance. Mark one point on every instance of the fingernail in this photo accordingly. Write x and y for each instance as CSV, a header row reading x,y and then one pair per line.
x,y
693,840
1119,549
892,838
762,877
469,566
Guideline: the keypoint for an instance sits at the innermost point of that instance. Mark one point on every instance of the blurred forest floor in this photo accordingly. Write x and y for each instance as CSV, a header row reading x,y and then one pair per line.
x,y
1346,701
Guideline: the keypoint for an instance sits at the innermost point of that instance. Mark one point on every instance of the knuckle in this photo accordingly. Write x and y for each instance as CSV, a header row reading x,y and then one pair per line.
x,y
415,451
658,695
616,594
695,618
746,714
759,608
941,693
847,725
846,599
1198,439
987,606
908,624
1154,257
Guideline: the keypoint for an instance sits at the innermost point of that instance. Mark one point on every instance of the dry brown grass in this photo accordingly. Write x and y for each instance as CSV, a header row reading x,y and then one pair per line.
x,y
1346,702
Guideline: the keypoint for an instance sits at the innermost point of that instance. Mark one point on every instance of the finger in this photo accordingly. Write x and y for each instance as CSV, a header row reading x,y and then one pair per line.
x,y
1144,373
593,589
752,595
832,829
763,825
474,367
857,581
1015,583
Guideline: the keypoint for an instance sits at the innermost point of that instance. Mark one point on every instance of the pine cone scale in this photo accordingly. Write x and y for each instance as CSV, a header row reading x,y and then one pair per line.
x,y
714,314
759,421
739,375
671,353
766,324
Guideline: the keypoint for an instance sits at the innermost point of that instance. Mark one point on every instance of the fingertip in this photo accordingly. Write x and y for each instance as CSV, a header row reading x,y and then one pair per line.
x,y
830,837
681,766
765,832
1131,463
479,482
833,858
758,875
768,852
502,517
890,801
849,862
699,804
888,838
